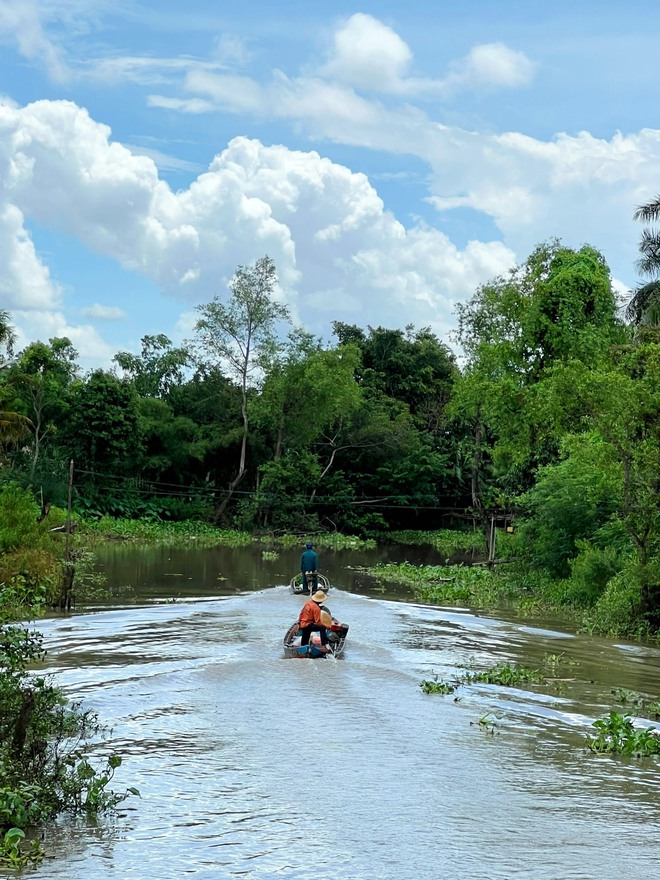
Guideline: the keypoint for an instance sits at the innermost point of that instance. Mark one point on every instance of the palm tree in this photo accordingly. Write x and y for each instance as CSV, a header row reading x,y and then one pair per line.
x,y
644,304
7,335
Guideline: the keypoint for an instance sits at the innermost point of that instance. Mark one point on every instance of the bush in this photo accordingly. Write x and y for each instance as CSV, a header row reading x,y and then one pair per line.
x,y
19,515
618,611
178,509
44,747
591,571
571,500
28,579
29,554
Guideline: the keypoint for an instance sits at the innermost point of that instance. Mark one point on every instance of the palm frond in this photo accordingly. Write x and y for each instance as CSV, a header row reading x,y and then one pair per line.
x,y
648,213
644,304
13,426
649,249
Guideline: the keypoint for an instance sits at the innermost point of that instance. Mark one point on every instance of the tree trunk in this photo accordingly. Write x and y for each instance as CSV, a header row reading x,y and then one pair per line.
x,y
280,436
241,467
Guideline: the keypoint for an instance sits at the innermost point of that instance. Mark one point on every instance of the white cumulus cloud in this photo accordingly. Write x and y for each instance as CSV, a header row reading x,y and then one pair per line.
x,y
368,55
324,225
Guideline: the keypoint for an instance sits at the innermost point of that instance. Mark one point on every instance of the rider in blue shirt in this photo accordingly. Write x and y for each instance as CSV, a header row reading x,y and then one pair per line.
x,y
309,561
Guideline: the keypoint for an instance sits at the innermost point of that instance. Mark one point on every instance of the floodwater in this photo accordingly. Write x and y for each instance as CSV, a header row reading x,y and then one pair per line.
x,y
255,766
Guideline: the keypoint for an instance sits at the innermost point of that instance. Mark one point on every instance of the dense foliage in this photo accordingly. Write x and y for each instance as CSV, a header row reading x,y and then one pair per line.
x,y
550,422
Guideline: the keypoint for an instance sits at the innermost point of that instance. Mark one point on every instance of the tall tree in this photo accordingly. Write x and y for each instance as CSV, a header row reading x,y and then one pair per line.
x,y
43,374
517,332
240,337
411,366
622,402
307,390
103,432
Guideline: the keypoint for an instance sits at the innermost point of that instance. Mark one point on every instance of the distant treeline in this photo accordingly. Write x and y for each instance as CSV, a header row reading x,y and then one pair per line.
x,y
552,416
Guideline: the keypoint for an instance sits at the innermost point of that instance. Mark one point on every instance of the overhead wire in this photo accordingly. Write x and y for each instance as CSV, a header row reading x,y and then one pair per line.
x,y
108,483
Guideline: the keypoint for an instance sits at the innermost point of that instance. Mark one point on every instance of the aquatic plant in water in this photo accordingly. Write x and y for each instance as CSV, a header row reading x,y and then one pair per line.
x,y
626,696
156,532
617,735
653,709
437,687
334,541
489,722
506,674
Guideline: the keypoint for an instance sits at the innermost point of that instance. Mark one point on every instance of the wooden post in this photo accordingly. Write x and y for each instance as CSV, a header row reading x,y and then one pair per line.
x,y
491,543
67,553
69,571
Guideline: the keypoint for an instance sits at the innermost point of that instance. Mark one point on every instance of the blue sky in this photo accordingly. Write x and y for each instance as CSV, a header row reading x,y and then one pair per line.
x,y
390,157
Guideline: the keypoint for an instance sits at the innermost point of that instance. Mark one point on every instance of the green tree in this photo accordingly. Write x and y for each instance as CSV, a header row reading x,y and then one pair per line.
x,y
413,367
570,501
361,443
103,433
517,332
239,337
43,375
601,503
157,369
306,391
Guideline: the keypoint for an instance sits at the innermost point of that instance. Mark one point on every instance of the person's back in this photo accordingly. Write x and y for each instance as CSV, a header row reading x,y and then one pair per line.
x,y
309,561
310,620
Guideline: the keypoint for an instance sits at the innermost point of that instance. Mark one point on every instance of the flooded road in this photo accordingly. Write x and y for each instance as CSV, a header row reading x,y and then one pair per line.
x,y
254,766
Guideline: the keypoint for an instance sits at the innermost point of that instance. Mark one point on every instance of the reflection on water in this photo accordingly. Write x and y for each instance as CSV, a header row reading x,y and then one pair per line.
x,y
251,765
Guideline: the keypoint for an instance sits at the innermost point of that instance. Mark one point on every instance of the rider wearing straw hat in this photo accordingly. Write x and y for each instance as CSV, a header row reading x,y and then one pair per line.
x,y
310,620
